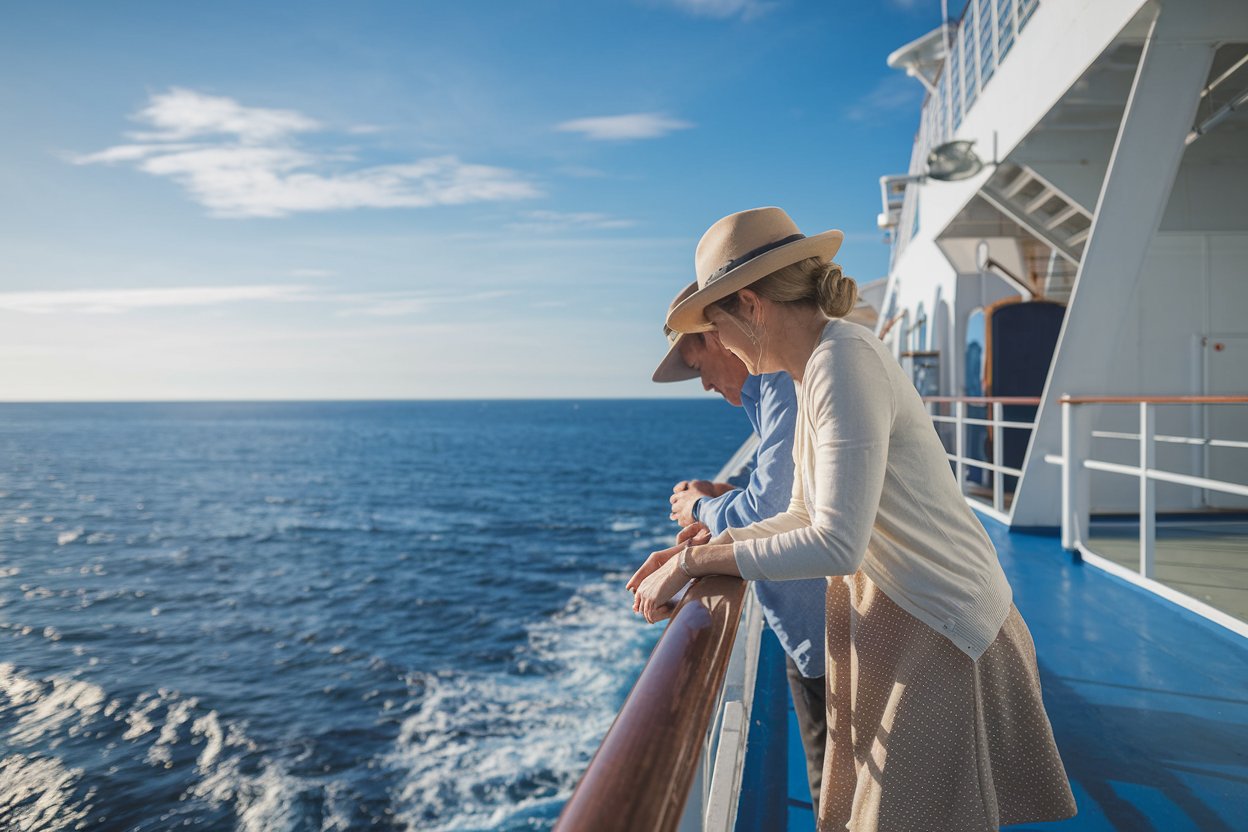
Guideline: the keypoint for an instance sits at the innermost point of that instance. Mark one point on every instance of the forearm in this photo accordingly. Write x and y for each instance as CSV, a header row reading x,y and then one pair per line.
x,y
711,559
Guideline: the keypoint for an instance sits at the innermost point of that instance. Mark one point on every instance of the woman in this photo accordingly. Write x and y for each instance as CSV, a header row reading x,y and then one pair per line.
x,y
935,720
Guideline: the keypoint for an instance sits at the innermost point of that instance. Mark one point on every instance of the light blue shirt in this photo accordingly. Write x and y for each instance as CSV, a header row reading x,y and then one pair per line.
x,y
794,609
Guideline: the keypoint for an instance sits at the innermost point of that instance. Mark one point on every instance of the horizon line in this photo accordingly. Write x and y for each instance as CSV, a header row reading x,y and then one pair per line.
x,y
707,397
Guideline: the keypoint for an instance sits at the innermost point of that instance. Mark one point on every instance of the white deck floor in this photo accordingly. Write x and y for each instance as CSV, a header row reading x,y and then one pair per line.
x,y
1206,560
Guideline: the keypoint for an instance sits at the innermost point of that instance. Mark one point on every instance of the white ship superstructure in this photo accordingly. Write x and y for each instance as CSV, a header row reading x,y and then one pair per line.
x,y
1114,142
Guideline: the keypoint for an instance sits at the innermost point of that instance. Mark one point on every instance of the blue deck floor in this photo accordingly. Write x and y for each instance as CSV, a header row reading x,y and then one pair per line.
x,y
1149,703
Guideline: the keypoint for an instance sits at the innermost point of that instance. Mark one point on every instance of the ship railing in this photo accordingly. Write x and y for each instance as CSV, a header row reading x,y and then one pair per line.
x,y
1077,415
673,759
977,42
955,414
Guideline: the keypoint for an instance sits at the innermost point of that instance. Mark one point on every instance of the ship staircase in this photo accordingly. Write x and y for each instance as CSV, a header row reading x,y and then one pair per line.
x,y
1041,208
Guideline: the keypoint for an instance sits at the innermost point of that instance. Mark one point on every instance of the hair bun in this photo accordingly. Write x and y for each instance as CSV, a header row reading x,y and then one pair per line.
x,y
835,292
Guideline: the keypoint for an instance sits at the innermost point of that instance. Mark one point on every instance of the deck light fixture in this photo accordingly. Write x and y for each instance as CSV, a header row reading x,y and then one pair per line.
x,y
953,161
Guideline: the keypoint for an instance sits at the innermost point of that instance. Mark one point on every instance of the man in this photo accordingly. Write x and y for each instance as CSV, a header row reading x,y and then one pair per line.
x,y
793,609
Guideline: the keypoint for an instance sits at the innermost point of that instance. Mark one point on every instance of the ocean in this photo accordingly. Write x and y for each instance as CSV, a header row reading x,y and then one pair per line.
x,y
325,616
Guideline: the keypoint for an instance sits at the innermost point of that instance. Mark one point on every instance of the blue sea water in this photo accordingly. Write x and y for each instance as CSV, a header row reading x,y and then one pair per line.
x,y
324,616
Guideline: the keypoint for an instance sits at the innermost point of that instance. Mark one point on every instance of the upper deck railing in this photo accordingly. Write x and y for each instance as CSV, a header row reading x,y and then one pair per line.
x,y
977,42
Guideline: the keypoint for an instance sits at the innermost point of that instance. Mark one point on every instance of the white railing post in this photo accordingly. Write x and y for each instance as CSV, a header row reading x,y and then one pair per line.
x,y
998,456
1074,478
975,47
959,443
996,34
1148,489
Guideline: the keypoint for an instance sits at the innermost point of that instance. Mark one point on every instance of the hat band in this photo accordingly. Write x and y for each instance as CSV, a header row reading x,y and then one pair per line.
x,y
750,255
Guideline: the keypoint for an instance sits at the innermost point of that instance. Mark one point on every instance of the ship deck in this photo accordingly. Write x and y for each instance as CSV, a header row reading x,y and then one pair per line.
x,y
1149,702
1206,559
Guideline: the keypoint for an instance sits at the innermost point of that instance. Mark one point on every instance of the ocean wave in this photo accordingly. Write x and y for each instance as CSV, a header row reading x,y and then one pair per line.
x,y
488,750
65,538
230,769
39,793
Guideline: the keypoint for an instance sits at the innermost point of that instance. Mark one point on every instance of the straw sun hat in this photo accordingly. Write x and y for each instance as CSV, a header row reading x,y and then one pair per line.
x,y
733,253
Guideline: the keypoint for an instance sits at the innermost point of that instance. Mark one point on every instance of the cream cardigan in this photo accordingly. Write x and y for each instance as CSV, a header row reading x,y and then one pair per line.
x,y
873,490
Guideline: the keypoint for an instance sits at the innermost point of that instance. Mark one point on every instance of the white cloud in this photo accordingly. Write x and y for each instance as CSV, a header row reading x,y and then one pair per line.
x,y
244,162
891,95
110,301
630,126
185,114
745,9
117,301
398,304
546,221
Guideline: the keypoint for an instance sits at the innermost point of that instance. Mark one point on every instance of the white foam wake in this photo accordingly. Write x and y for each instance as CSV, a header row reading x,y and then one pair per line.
x,y
488,750
39,792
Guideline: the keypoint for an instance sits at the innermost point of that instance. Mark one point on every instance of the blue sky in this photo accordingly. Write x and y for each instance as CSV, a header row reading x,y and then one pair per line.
x,y
408,199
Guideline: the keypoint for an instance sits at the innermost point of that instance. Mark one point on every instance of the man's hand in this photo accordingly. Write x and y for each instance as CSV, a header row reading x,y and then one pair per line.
x,y
688,492
695,534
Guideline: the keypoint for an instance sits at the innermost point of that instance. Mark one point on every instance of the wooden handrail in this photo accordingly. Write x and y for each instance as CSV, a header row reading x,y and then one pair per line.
x,y
1154,399
983,399
641,774
890,325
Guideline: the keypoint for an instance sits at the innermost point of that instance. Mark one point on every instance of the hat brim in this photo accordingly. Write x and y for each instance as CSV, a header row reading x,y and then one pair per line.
x,y
673,366
690,314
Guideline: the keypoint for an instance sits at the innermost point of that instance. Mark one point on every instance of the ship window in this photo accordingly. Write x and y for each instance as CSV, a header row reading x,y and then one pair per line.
x,y
973,378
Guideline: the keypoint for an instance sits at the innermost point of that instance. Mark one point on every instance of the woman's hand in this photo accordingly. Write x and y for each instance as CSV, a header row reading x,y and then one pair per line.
x,y
652,564
660,573
654,595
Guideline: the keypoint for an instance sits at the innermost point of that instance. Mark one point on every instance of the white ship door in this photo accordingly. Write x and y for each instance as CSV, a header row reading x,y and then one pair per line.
x,y
1226,374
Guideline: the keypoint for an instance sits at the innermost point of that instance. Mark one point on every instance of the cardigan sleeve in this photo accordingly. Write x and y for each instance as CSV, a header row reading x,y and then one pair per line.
x,y
851,410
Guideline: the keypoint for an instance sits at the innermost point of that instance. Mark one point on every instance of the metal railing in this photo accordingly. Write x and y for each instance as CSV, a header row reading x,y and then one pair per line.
x,y
673,758
977,43
1074,459
997,424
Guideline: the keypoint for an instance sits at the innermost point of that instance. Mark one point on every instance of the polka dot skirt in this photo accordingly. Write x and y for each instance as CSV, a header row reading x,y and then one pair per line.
x,y
922,738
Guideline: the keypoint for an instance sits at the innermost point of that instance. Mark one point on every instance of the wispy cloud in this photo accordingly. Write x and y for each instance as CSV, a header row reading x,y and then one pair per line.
x,y
891,95
745,9
549,221
240,161
623,127
112,301
118,301
398,304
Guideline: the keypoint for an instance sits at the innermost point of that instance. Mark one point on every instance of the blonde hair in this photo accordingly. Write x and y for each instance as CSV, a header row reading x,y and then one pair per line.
x,y
811,281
